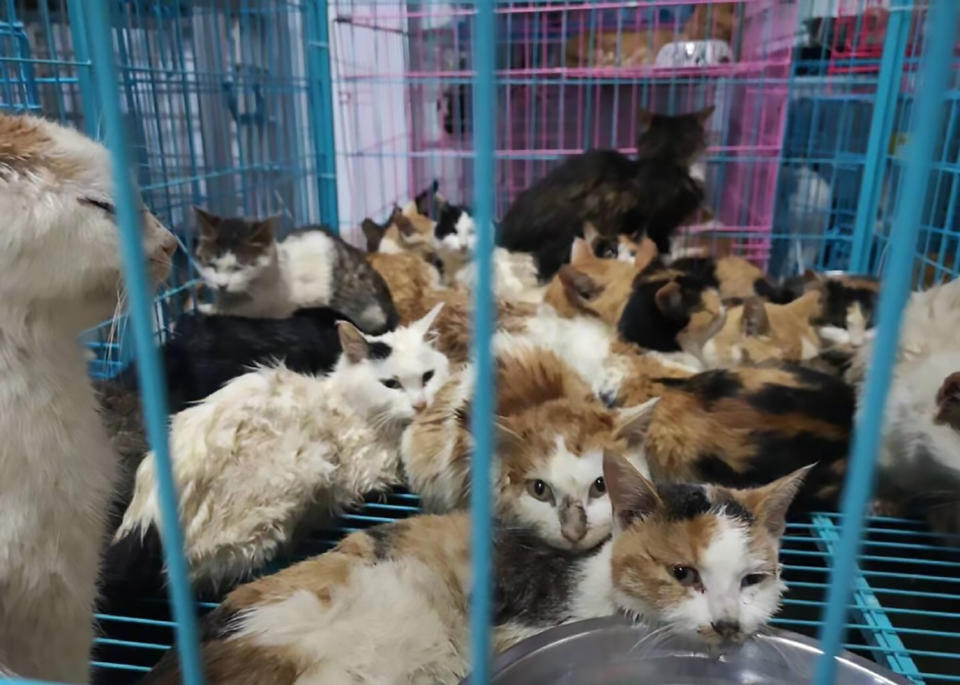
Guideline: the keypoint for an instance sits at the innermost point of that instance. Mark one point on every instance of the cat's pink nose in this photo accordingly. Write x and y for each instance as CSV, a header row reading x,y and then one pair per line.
x,y
419,405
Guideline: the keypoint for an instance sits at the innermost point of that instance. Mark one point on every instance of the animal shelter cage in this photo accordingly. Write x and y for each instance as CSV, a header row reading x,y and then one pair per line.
x,y
834,144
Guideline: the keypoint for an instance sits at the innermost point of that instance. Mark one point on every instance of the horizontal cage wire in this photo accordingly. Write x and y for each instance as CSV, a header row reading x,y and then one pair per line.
x,y
269,108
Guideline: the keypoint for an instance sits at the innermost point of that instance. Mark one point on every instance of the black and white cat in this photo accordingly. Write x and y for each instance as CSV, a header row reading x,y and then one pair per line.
x,y
252,274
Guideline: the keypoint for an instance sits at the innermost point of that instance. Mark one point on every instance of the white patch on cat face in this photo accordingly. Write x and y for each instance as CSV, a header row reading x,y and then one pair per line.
x,y
226,273
625,253
571,478
464,236
724,598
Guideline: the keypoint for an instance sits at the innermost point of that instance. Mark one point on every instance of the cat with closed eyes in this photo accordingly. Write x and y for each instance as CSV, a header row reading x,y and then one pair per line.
x,y
652,194
252,274
60,274
272,450
390,604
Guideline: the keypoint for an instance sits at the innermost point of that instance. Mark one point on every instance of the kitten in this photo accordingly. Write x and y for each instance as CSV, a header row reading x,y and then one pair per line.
x,y
60,274
259,457
251,274
849,303
750,425
651,195
390,604
758,331
206,351
454,231
553,433
406,231
733,277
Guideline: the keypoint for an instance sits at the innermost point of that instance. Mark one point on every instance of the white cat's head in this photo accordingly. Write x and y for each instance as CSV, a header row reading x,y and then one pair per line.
x,y
395,375
60,242
233,252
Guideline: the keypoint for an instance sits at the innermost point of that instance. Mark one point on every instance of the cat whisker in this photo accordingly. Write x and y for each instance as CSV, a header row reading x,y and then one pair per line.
x,y
657,632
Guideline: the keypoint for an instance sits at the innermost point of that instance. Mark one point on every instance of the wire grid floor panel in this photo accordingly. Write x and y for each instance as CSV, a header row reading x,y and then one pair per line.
x,y
905,613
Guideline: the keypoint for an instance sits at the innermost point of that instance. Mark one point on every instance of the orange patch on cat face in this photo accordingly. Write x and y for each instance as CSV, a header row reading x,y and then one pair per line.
x,y
600,287
25,147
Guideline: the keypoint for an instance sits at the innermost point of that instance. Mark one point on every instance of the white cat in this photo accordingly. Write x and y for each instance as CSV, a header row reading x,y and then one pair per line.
x,y
258,457
60,273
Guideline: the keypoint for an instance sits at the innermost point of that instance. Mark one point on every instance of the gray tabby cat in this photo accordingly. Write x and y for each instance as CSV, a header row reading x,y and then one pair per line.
x,y
252,274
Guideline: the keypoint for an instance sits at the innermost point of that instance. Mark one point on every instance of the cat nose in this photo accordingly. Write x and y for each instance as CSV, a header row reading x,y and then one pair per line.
x,y
573,521
726,629
419,405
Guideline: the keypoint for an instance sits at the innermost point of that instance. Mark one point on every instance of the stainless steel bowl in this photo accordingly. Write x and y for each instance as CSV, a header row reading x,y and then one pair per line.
x,y
610,651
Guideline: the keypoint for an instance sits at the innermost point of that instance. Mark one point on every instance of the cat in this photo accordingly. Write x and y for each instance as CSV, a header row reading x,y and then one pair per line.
x,y
553,433
60,275
405,231
758,331
251,274
258,458
848,308
390,604
205,351
750,425
734,277
651,195
454,231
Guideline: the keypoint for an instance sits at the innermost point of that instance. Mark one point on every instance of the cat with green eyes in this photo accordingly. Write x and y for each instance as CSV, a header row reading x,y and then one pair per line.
x,y
274,450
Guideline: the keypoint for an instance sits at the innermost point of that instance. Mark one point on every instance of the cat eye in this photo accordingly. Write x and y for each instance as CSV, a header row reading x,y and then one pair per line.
x,y
752,579
538,489
427,376
686,575
598,487
391,383
100,204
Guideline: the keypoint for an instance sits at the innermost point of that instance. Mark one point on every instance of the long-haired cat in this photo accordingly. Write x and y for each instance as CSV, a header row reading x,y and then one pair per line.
x,y
251,274
257,458
749,425
553,433
651,195
391,604
59,274
849,303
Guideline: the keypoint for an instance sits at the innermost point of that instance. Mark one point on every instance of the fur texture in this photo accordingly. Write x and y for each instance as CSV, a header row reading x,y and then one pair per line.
x,y
651,195
390,605
253,275
255,459
59,274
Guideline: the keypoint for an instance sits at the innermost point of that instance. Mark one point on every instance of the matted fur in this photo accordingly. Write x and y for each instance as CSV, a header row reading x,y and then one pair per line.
x,y
272,448
391,604
60,273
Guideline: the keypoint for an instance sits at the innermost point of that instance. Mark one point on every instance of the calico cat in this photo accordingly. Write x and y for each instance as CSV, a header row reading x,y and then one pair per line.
x,y
455,230
252,274
256,459
405,231
848,308
759,331
60,274
749,425
553,433
651,195
390,604
206,351
734,277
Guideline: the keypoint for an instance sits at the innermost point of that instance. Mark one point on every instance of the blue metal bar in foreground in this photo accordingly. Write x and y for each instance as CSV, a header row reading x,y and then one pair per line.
x,y
148,363
484,127
321,115
927,118
881,127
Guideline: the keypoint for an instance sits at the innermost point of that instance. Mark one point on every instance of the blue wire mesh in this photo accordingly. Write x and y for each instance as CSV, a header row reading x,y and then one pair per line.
x,y
233,105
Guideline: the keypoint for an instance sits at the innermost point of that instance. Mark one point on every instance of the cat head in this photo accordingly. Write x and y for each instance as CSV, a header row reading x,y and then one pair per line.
x,y
590,285
233,252
757,331
680,138
700,558
551,468
669,311
622,247
392,376
61,240
455,230
406,230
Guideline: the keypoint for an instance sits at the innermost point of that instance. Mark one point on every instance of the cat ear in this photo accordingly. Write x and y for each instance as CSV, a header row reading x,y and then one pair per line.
x,y
703,116
754,320
948,402
354,345
770,502
578,286
262,233
632,422
807,305
644,119
669,300
508,439
590,233
206,222
373,232
581,252
423,325
631,494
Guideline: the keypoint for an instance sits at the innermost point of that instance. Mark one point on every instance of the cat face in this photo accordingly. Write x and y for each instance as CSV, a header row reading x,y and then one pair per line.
x,y
455,230
699,558
61,241
232,253
681,138
395,375
551,461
